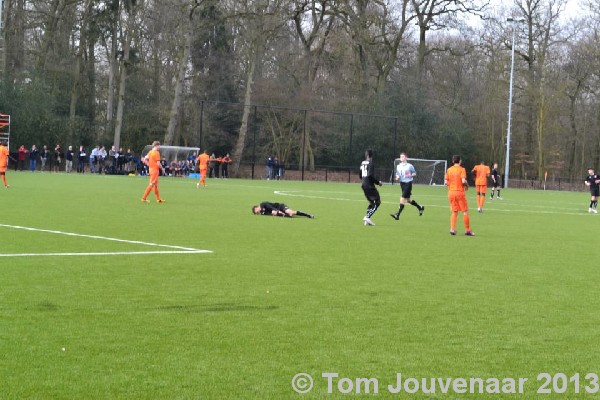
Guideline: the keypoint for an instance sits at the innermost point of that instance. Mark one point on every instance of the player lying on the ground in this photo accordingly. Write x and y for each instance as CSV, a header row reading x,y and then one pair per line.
x,y
277,210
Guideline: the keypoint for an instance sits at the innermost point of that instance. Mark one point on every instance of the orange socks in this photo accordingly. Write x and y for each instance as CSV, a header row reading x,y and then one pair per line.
x,y
453,218
147,192
467,222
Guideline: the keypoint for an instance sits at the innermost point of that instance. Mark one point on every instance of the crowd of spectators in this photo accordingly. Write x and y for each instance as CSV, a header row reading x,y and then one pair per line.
x,y
98,160
95,160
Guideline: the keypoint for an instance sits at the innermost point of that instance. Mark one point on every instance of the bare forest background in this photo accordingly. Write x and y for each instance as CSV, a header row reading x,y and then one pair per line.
x,y
312,82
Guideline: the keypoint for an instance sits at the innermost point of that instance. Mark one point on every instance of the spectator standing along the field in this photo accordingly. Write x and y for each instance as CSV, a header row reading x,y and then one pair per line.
x,y
405,172
481,172
593,181
33,155
269,168
367,174
153,161
456,180
59,156
81,160
212,161
69,159
44,156
495,182
22,157
225,161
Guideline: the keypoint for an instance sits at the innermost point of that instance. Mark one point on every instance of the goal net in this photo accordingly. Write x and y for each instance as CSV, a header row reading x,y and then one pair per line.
x,y
429,172
173,153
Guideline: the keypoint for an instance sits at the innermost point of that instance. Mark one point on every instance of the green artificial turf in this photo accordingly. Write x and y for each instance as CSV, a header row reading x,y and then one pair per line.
x,y
275,297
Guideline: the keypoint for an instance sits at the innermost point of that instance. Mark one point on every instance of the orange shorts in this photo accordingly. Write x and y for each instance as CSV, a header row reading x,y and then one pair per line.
x,y
458,201
481,188
3,169
203,172
154,177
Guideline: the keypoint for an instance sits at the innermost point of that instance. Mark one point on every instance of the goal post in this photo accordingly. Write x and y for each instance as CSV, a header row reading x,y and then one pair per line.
x,y
173,153
429,172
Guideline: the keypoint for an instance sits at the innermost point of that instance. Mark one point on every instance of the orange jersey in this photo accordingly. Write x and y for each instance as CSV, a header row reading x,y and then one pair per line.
x,y
481,174
454,178
3,158
153,161
203,161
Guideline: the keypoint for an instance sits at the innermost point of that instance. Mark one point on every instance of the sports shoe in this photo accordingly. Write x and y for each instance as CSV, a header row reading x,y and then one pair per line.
x,y
590,210
421,210
479,210
367,221
499,198
145,201
160,200
594,211
469,233
395,216
198,185
453,233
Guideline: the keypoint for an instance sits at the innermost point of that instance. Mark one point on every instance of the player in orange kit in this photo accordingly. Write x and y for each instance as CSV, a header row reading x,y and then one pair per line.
x,y
4,154
203,166
152,160
456,180
481,172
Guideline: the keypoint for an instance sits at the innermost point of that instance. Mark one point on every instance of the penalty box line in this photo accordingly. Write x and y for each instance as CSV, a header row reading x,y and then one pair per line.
x,y
176,249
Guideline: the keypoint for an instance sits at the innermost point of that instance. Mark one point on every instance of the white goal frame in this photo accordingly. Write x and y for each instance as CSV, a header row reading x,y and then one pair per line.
x,y
429,172
173,153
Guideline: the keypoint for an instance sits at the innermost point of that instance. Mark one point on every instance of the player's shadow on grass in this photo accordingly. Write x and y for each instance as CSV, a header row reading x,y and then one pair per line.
x,y
219,307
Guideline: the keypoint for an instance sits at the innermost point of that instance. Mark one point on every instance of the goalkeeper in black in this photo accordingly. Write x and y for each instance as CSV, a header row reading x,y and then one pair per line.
x,y
278,210
369,181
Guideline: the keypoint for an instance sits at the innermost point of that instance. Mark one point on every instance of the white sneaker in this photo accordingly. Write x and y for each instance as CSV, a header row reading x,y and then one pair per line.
x,y
198,184
594,211
367,221
479,209
499,198
590,210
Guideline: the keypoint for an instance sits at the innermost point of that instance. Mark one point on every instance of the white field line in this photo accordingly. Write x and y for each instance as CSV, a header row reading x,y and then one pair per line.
x,y
548,210
177,249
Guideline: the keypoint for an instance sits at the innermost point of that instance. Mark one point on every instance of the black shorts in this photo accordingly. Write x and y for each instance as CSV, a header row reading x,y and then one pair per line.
x,y
372,194
406,189
595,192
283,208
495,184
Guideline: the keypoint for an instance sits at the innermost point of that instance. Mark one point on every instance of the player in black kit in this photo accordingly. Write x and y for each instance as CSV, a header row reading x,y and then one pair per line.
x,y
592,181
495,181
277,210
368,186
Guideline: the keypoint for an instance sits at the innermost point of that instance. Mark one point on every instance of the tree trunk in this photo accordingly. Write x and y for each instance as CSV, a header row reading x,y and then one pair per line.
x,y
13,29
112,78
49,33
177,99
122,87
241,140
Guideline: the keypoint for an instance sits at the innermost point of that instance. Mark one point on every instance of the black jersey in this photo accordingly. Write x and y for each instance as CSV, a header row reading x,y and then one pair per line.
x,y
367,174
495,176
267,208
592,180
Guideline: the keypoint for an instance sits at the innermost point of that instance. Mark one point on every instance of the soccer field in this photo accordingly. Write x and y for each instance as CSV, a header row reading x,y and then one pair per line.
x,y
104,297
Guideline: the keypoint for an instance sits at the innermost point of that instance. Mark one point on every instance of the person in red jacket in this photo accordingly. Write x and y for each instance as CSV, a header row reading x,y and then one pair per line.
x,y
225,161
